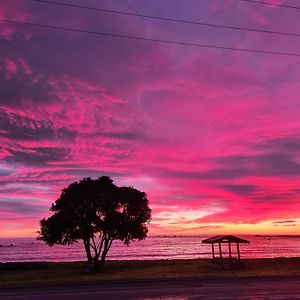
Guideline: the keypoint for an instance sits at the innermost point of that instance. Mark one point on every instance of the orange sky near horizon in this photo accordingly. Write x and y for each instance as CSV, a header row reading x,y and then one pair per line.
x,y
263,228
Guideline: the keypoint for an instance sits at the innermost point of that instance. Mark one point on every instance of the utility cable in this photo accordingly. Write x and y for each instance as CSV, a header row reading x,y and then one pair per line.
x,y
169,19
133,37
272,4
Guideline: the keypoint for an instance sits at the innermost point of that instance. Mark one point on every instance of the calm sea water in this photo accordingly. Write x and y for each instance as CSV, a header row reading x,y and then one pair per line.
x,y
29,249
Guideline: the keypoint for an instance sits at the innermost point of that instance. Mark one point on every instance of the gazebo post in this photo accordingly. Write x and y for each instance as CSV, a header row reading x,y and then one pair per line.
x,y
221,257
238,251
213,250
229,246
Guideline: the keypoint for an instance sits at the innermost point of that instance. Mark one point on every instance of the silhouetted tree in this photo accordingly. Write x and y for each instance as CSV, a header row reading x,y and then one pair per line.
x,y
97,212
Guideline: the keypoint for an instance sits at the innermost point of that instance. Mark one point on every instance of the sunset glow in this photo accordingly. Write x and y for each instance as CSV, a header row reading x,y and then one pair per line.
x,y
212,136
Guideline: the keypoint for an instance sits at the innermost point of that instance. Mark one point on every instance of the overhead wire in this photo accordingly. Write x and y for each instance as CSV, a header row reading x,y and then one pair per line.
x,y
168,19
134,37
272,4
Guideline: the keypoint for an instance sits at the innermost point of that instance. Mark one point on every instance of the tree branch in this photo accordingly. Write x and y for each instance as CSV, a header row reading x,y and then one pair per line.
x,y
95,246
92,246
109,244
100,245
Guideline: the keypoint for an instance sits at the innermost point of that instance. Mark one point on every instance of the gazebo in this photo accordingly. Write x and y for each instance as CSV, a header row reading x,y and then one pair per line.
x,y
230,262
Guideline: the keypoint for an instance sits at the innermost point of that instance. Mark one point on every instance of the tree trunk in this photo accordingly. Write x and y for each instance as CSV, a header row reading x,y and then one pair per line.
x,y
87,250
106,248
103,256
96,265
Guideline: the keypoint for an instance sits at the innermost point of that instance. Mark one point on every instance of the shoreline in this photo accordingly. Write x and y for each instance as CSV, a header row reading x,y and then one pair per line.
x,y
70,273
148,260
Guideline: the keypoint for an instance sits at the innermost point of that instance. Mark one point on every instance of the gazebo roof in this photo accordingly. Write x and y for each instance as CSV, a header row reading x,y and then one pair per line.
x,y
224,239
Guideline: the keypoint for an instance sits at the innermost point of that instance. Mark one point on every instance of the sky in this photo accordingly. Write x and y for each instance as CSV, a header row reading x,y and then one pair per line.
x,y
211,135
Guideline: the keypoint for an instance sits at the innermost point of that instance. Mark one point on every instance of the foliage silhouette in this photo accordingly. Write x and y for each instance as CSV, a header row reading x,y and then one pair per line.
x,y
97,212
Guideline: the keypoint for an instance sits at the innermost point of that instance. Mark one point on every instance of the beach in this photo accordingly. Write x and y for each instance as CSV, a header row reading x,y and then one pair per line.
x,y
116,271
159,267
159,279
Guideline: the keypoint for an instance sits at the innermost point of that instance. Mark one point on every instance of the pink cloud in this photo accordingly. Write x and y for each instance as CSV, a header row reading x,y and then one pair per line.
x,y
211,136
11,68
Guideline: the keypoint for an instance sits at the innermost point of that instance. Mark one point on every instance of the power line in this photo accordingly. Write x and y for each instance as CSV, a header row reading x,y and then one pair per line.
x,y
132,37
272,4
169,19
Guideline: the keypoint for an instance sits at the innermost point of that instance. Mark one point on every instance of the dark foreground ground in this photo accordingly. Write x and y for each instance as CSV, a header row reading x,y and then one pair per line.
x,y
277,278
242,288
73,273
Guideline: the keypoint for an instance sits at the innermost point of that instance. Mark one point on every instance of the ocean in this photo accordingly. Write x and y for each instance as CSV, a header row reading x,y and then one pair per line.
x,y
168,247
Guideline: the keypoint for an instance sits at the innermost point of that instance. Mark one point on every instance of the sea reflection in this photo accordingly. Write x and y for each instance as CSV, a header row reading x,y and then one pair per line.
x,y
29,249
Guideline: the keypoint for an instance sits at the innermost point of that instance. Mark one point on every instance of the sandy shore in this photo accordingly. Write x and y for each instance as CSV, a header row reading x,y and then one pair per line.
x,y
65,273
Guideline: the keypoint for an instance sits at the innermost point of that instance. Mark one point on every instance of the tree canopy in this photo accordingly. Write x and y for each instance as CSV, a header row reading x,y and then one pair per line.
x,y
97,212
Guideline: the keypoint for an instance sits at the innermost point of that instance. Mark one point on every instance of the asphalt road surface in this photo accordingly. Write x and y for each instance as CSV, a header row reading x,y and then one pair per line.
x,y
246,289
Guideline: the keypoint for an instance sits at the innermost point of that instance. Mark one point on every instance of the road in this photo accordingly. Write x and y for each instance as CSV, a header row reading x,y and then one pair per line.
x,y
246,289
